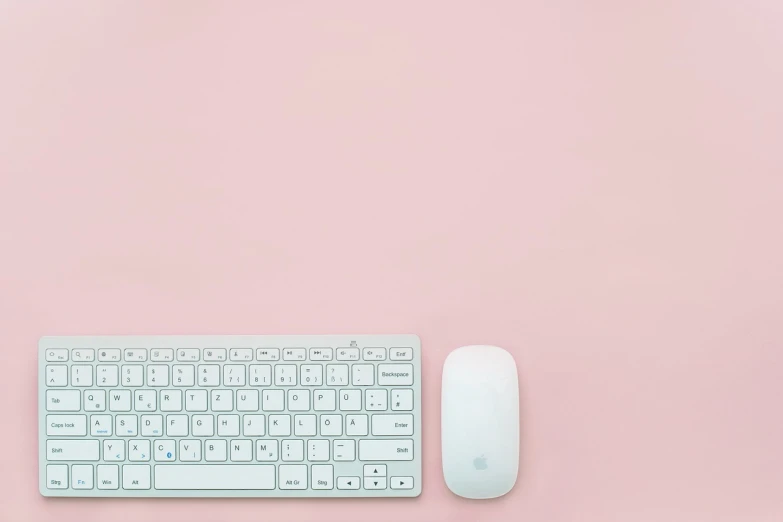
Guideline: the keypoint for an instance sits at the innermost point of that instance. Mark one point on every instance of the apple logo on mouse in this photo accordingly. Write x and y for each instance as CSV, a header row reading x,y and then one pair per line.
x,y
480,463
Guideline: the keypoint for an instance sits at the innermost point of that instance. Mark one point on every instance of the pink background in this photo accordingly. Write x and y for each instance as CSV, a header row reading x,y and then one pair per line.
x,y
595,186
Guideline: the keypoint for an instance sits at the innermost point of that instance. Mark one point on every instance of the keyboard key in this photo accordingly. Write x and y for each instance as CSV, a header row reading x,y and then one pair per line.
x,y
157,375
397,425
215,354
362,374
311,374
139,450
107,375
177,425
318,450
136,476
348,482
81,375
208,375
83,355
374,482
273,400
94,400
202,425
109,355
66,425
294,354
285,374
135,355
347,354
324,400
216,476
260,375
81,476
266,450
108,476
188,354
57,476
145,400
402,400
228,425
344,450
401,482
101,425
241,354
304,425
57,355
75,450
165,450
171,400
241,450
253,426
337,374
56,375
279,425
222,400
132,375
162,355
292,450
215,450
119,400
401,354
247,400
385,449
395,374
292,476
320,354
268,354
322,476
189,451
183,375
374,470
234,375
126,425
331,425
356,425
374,354
114,450
63,400
375,400
299,400
350,400
152,425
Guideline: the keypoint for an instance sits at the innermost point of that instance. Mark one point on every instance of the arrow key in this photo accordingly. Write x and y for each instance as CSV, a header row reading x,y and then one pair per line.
x,y
348,482
401,482
375,470
374,482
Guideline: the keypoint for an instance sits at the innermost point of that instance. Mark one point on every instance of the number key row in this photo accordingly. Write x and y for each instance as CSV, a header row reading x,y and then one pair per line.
x,y
161,375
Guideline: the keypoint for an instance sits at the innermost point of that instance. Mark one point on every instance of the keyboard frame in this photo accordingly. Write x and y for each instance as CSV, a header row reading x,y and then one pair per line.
x,y
411,468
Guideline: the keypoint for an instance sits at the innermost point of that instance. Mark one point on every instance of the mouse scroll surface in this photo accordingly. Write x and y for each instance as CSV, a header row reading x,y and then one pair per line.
x,y
480,421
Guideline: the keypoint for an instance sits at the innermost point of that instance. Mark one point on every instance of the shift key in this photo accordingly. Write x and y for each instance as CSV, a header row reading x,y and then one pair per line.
x,y
78,450
386,449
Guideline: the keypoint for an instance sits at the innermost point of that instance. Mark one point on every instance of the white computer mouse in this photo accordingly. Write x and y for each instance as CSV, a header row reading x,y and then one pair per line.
x,y
480,421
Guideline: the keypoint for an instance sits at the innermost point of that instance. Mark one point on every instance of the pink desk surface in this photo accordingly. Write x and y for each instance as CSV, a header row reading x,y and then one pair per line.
x,y
595,186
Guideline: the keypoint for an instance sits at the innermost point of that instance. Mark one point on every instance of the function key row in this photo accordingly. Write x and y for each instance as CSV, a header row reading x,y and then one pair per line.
x,y
227,354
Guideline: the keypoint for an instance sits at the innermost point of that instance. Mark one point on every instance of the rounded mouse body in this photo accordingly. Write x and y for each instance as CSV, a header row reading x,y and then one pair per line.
x,y
480,421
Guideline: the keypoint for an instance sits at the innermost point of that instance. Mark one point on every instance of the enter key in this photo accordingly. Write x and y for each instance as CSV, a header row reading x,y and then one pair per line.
x,y
383,424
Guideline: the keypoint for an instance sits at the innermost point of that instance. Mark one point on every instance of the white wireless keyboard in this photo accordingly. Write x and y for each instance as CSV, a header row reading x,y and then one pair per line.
x,y
230,416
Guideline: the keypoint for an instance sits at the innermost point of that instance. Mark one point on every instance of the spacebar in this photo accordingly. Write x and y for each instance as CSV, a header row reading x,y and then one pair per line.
x,y
214,476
